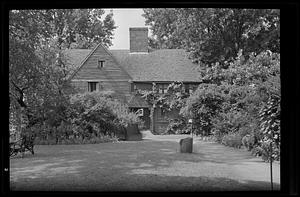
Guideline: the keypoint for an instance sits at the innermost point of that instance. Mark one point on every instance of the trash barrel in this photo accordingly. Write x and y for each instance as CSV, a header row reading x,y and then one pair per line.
x,y
186,145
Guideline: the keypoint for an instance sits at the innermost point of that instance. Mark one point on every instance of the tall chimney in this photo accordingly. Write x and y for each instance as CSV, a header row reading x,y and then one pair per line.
x,y
138,39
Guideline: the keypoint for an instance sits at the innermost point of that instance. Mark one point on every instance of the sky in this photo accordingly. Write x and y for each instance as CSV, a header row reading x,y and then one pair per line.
x,y
125,18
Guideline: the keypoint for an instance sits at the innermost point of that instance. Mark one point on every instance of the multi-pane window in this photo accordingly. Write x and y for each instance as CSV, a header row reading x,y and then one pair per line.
x,y
162,88
92,86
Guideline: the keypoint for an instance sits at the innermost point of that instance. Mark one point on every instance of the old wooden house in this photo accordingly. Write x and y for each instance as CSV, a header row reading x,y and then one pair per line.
x,y
124,71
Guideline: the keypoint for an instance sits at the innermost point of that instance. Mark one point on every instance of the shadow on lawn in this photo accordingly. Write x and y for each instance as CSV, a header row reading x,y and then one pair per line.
x,y
150,183
140,166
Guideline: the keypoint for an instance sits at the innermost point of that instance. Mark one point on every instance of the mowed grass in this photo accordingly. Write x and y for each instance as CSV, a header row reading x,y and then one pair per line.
x,y
146,165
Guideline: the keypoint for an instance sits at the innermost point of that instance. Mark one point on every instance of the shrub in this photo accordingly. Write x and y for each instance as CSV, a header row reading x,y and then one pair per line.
x,y
248,141
241,98
97,114
204,104
177,126
232,140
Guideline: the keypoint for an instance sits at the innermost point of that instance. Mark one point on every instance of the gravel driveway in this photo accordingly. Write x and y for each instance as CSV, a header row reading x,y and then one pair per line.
x,y
153,164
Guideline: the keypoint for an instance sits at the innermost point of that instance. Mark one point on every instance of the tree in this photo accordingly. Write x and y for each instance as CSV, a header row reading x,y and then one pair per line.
x,y
37,66
81,27
213,34
162,22
231,98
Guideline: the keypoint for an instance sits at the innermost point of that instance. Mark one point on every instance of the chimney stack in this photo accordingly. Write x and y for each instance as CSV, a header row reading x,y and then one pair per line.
x,y
138,39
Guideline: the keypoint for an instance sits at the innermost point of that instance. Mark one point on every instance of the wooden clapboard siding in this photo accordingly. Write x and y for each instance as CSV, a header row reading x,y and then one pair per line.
x,y
111,70
111,76
121,87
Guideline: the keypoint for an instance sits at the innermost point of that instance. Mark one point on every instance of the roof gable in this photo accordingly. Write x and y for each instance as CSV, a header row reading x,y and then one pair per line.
x,y
89,60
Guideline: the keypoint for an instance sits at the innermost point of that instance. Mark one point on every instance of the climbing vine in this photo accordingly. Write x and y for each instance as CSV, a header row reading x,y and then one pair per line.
x,y
270,128
174,98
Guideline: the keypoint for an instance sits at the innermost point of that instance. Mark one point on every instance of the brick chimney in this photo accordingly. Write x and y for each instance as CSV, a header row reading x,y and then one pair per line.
x,y
138,39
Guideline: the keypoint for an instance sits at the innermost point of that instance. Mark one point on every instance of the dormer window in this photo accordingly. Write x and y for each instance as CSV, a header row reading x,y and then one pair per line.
x,y
100,64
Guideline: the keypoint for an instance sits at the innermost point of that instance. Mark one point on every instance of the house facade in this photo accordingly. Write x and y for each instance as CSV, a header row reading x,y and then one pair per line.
x,y
124,71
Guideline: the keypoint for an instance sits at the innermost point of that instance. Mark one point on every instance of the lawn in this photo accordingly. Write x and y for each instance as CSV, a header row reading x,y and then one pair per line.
x,y
148,165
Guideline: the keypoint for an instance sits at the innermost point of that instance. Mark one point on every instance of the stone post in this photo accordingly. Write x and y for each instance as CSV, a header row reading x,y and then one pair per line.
x,y
186,145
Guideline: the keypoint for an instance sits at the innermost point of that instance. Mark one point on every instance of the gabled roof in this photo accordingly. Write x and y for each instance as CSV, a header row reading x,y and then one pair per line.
x,y
76,56
84,60
160,65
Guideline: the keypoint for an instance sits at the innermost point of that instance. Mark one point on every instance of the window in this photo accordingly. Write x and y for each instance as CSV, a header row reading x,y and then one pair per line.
x,y
92,86
187,88
162,88
100,64
133,87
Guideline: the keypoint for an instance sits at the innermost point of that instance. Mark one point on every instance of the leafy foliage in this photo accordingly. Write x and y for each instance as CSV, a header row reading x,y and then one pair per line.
x,y
270,127
238,53
242,99
177,126
202,106
232,140
38,70
173,99
88,118
81,28
214,34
